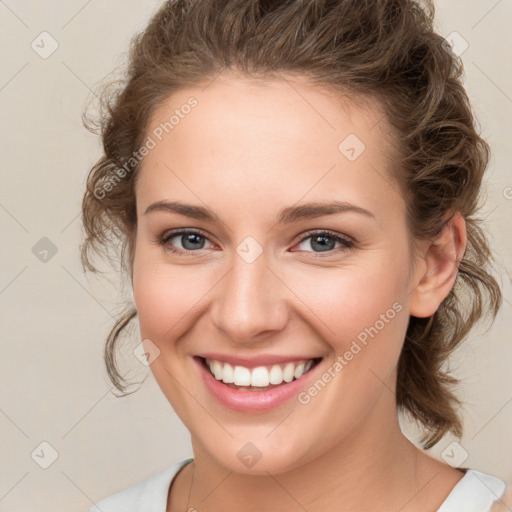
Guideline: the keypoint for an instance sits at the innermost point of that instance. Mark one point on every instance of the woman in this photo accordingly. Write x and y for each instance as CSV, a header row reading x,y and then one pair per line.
x,y
295,187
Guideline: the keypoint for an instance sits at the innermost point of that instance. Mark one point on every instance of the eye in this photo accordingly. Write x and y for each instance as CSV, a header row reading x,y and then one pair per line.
x,y
190,240
325,241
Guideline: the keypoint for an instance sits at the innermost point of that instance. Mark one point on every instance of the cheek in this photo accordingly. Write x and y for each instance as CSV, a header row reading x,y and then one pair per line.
x,y
161,304
170,299
162,296
344,302
360,311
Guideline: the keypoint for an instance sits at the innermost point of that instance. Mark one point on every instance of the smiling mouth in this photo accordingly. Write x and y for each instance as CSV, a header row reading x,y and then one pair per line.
x,y
261,378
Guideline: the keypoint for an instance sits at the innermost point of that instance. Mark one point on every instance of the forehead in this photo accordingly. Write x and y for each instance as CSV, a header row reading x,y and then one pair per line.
x,y
267,138
232,101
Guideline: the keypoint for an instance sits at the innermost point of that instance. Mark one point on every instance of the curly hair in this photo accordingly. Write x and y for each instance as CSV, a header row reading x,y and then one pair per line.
x,y
385,50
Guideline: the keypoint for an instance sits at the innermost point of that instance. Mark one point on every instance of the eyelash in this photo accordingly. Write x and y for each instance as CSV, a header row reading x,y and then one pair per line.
x,y
347,244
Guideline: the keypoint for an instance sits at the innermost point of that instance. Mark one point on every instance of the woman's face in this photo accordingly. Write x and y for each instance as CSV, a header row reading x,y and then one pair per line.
x,y
270,274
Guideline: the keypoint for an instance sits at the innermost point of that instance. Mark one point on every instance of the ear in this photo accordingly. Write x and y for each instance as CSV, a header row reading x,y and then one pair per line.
x,y
438,267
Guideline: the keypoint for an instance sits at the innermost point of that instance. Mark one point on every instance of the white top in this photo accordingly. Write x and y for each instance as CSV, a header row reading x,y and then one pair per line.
x,y
475,492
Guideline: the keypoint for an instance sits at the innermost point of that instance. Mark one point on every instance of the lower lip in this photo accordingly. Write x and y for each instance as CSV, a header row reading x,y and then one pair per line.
x,y
252,401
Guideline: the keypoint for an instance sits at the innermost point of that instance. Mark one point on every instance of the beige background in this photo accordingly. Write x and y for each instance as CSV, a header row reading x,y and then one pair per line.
x,y
54,319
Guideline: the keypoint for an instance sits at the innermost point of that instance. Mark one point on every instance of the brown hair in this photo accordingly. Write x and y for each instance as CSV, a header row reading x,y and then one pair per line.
x,y
385,50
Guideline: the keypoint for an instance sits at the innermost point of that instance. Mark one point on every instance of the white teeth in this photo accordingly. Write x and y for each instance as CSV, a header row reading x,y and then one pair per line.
x,y
276,375
261,376
288,372
228,374
299,370
217,370
242,376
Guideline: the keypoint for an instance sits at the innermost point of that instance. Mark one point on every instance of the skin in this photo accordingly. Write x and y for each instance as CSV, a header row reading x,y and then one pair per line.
x,y
247,151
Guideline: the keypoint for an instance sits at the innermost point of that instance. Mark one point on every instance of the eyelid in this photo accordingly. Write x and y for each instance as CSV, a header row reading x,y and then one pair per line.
x,y
333,234
167,235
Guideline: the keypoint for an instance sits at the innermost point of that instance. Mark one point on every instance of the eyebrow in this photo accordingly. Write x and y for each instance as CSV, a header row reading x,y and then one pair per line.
x,y
288,215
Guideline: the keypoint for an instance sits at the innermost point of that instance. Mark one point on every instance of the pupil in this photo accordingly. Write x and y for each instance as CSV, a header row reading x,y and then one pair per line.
x,y
323,246
191,239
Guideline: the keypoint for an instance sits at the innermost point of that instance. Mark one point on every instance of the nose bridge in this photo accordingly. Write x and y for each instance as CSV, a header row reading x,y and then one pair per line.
x,y
249,301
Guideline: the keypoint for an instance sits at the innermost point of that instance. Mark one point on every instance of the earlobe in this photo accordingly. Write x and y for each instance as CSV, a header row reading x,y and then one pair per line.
x,y
440,264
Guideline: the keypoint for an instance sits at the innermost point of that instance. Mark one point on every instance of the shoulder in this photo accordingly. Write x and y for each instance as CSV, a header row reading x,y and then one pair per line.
x,y
478,492
150,495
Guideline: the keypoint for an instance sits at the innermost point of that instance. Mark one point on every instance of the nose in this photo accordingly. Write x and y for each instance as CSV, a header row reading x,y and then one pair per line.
x,y
250,302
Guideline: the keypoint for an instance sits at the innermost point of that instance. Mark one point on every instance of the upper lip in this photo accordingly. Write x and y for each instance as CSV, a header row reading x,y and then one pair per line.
x,y
253,362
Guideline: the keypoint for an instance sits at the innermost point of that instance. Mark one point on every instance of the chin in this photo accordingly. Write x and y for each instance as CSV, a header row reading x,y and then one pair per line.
x,y
259,457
